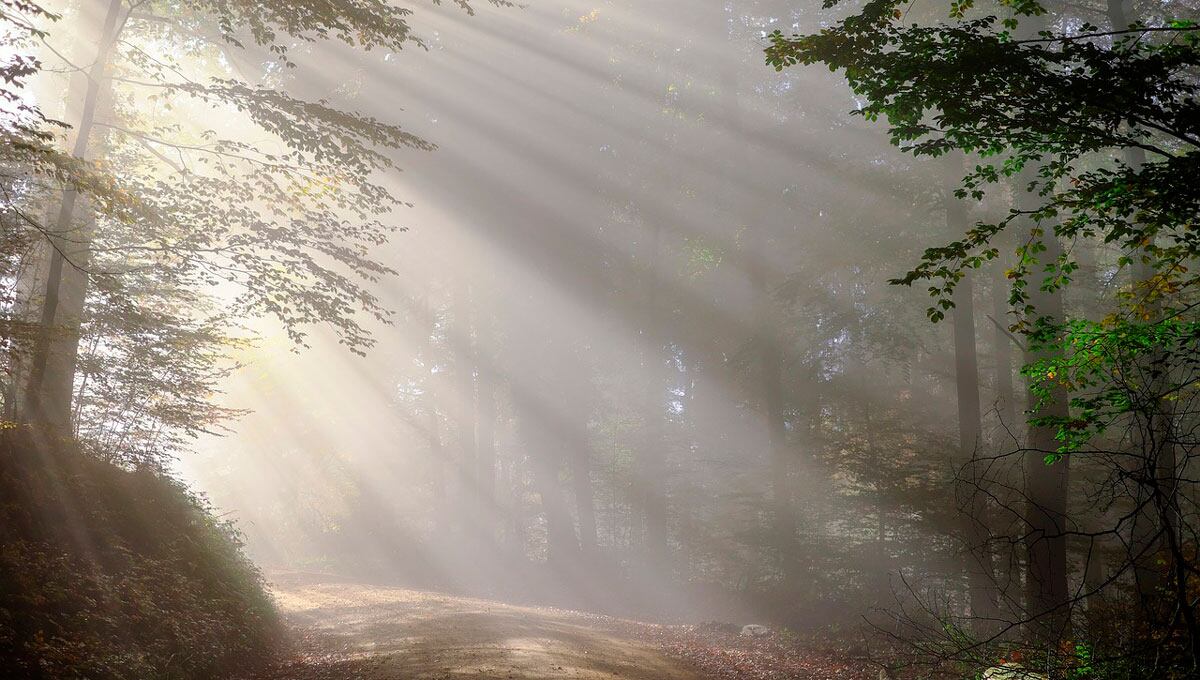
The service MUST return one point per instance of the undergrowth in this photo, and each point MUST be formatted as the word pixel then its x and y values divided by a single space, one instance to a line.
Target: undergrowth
pixel 113 573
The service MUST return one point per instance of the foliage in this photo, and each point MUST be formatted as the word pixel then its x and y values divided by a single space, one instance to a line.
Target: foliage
pixel 1105 367
pixel 1093 137
pixel 209 193
pixel 207 184
pixel 112 573
pixel 1065 114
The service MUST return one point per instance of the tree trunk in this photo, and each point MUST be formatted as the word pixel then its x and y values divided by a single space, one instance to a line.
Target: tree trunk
pixel 1046 485
pixel 485 395
pixel 466 503
pixel 544 458
pixel 651 466
pixel 1155 529
pixel 1002 354
pixel 981 576
pixel 537 365
pixel 438 461
pixel 515 538
pixel 770 366
pixel 585 502
pixel 50 380
pixel 433 435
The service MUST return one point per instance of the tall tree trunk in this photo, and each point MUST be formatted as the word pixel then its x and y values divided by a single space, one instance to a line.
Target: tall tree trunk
pixel 981 577
pixel 545 459
pixel 537 365
pixel 1158 490
pixel 753 258
pixel 879 577
pixel 1094 575
pixel 514 536
pixel 466 502
pixel 651 464
pixel 51 371
pixel 433 433
pixel 1007 435
pixel 770 367
pixel 575 389
pixel 485 396
pixel 585 502
pixel 1046 485
pixel 438 455
pixel 1002 354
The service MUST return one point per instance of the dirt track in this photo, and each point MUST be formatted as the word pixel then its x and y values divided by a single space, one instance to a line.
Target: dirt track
pixel 375 633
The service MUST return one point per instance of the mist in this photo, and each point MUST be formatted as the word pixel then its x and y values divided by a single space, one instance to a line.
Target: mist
pixel 640 339
pixel 570 401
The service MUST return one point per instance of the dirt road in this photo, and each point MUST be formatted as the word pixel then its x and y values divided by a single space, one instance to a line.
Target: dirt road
pixel 376 633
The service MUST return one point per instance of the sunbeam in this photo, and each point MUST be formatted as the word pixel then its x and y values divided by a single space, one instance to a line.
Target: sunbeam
pixel 668 340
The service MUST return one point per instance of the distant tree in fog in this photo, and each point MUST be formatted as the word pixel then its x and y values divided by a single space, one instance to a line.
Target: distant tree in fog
pixel 1088 115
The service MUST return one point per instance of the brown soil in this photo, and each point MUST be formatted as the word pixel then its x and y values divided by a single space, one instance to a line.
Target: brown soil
pixel 354 630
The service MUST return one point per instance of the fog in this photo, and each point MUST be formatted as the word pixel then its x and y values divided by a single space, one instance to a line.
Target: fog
pixel 636 256
pixel 654 339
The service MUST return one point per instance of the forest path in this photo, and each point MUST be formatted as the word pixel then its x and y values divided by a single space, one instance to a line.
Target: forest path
pixel 379 633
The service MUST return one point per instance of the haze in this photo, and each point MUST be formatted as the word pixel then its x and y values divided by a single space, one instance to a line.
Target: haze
pixel 564 339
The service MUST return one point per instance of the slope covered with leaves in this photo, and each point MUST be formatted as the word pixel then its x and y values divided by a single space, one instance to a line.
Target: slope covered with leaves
pixel 114 573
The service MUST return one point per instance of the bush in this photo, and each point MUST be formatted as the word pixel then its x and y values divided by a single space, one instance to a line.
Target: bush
pixel 114 573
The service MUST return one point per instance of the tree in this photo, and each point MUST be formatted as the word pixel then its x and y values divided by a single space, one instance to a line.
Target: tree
pixel 289 223
pixel 1063 110
pixel 980 573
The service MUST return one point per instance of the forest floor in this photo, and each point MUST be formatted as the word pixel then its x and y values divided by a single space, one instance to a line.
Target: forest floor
pixel 358 631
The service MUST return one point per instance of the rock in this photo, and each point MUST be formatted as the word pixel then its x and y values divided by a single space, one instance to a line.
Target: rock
pixel 755 630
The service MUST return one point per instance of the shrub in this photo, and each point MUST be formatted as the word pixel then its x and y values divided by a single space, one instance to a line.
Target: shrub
pixel 116 573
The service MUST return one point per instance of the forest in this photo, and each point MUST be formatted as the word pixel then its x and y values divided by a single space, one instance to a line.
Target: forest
pixel 655 340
